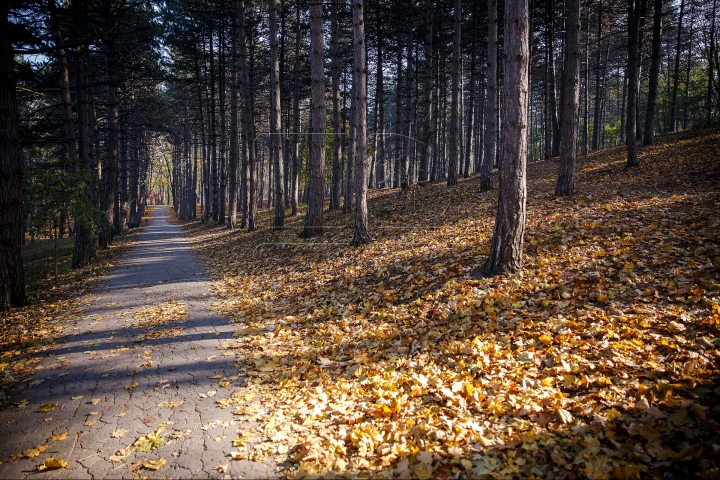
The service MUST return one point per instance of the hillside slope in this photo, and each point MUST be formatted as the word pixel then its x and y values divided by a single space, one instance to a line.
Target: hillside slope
pixel 600 358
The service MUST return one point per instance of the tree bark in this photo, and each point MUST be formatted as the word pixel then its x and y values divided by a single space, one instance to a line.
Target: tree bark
pixel 12 277
pixel 214 174
pixel 554 126
pixel 276 122
pixel 362 234
pixel 408 140
pixel 247 120
pixel 314 217
pixel 469 124
pixel 586 87
pixel 234 134
pixel 222 153
pixel 506 251
pixel 635 9
pixel 335 191
pixel 111 165
pixel 295 180
pixel 650 113
pixel 570 108
pixel 428 124
pixel 398 144
pixel 676 76
pixel 491 113
pixel 349 172
pixel 598 82
pixel 455 102
pixel 711 64
pixel 83 247
pixel 381 167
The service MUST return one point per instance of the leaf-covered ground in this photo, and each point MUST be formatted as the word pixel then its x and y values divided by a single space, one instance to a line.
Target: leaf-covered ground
pixel 599 359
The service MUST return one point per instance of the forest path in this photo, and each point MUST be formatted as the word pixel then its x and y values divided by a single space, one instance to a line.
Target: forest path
pixel 133 349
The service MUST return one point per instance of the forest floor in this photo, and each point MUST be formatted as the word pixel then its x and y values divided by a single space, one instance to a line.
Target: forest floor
pixel 600 358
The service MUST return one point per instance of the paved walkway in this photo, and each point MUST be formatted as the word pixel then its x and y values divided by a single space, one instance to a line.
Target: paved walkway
pixel 122 373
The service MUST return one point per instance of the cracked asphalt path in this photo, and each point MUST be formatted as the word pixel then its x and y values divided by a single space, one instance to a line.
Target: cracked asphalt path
pixel 107 353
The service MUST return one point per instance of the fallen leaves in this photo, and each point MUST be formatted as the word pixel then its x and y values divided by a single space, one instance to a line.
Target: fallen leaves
pixel 146 443
pixel 598 359
pixel 52 464
pixel 154 465
pixel 119 433
pixel 47 407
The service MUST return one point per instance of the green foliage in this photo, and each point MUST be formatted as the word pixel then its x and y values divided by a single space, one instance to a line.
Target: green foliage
pixel 52 191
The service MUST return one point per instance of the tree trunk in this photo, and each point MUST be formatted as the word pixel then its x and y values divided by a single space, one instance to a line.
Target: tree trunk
pixel 676 76
pixel 406 174
pixel 234 134
pixel 455 103
pixel 469 124
pixel 635 9
pixel 654 75
pixel 623 118
pixel 294 182
pixel 397 153
pixel 598 83
pixel 586 87
pixel 65 82
pixel 428 130
pixel 111 166
pixel 506 250
pixel 491 113
pixel 12 277
pixel 568 144
pixel 222 156
pixel 123 176
pixel 362 235
pixel 83 248
pixel 711 64
pixel 335 191
pixel 214 174
pixel 554 143
pixel 348 200
pixel 688 69
pixel 381 168
pixel 247 120
pixel 314 217
pixel 275 122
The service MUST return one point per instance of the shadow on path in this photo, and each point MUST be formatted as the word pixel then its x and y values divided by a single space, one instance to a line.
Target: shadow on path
pixel 147 336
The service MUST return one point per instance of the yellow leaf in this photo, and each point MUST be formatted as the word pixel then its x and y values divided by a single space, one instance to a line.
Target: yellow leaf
pixel 53 463
pixel 48 407
pixel 59 436
pixel 565 416
pixel 546 339
pixel 154 465
pixel 34 452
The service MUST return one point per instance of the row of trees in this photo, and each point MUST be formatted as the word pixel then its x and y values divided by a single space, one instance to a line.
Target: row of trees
pixel 433 89
pixel 250 103
pixel 83 104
